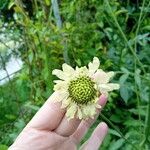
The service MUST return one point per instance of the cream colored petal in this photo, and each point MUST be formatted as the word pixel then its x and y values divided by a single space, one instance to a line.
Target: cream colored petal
pixel 85 110
pixel 65 103
pixel 110 74
pixel 89 111
pixel 93 112
pixel 104 88
pixel 58 96
pixel 81 71
pixel 67 69
pixel 102 77
pixel 70 114
pixel 60 74
pixel 79 113
pixel 96 100
pixel 98 106
pixel 61 85
pixel 93 66
pixel 57 81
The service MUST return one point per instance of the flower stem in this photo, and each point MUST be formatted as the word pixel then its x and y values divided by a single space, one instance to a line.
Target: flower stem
pixel 137 88
pixel 147 126
pixel 59 23
pixel 124 37
pixel 116 128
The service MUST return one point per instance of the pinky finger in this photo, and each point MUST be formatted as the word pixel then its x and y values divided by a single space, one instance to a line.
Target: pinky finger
pixel 96 138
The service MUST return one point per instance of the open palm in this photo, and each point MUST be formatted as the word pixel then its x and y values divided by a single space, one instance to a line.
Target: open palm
pixel 49 129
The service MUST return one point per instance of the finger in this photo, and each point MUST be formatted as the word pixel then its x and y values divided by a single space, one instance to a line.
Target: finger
pixel 49 116
pixel 96 138
pixel 85 124
pixel 67 127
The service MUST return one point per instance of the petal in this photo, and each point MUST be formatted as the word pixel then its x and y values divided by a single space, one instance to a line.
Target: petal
pixel 89 110
pixel 104 88
pixel 67 69
pixel 71 111
pixel 57 81
pixel 110 74
pixel 58 96
pixel 65 103
pixel 98 106
pixel 102 77
pixel 79 113
pixel 61 85
pixel 81 71
pixel 93 66
pixel 60 74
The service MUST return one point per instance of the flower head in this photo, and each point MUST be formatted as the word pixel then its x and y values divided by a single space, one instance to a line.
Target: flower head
pixel 79 89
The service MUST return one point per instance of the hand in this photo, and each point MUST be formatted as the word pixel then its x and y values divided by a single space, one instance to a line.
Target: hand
pixel 49 129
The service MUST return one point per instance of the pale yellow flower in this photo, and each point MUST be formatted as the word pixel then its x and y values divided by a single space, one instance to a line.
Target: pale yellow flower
pixel 79 89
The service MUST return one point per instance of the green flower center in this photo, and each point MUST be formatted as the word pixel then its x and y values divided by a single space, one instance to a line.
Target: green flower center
pixel 82 90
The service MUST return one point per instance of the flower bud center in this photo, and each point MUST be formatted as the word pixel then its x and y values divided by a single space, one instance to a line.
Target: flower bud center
pixel 82 90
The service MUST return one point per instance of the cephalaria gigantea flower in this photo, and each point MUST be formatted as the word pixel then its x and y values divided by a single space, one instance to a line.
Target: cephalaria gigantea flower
pixel 79 89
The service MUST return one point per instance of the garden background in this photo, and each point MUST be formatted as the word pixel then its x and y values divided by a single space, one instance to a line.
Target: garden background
pixel 40 35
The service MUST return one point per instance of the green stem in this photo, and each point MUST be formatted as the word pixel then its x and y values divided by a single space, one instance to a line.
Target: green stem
pixel 141 19
pixel 113 126
pixel 147 125
pixel 147 129
pixel 135 67
pixel 138 27
pixel 124 37
pixel 59 23
pixel 49 70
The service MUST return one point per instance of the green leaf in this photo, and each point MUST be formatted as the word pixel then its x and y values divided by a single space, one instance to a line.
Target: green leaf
pixel 120 12
pixel 47 2
pixel 114 132
pixel 124 92
pixel 137 78
pixel 115 118
pixel 123 78
pixel 3 147
pixel 10 117
pixel 30 106
pixel 117 144
pixel 11 4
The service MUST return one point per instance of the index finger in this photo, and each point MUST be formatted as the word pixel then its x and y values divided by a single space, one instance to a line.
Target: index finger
pixel 49 116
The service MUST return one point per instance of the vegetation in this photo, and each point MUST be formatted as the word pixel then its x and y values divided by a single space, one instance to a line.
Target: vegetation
pixel 50 33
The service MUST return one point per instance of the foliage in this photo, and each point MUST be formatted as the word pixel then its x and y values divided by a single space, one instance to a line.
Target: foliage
pixel 115 31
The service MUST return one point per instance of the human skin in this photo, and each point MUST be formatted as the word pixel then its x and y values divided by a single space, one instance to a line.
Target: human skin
pixel 49 129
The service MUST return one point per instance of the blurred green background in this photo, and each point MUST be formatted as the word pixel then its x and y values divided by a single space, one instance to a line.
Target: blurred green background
pixel 38 36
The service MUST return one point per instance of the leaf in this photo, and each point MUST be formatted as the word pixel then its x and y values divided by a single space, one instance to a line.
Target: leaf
pixel 117 145
pixel 133 123
pixel 47 2
pixel 11 4
pixel 125 70
pixel 123 78
pixel 1 100
pixel 20 124
pixel 115 119
pixel 32 107
pixel 137 78
pixel 121 11
pixel 3 147
pixel 68 25
pixel 124 92
pixel 10 117
pixel 147 27
pixel 78 61
pixel 114 132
